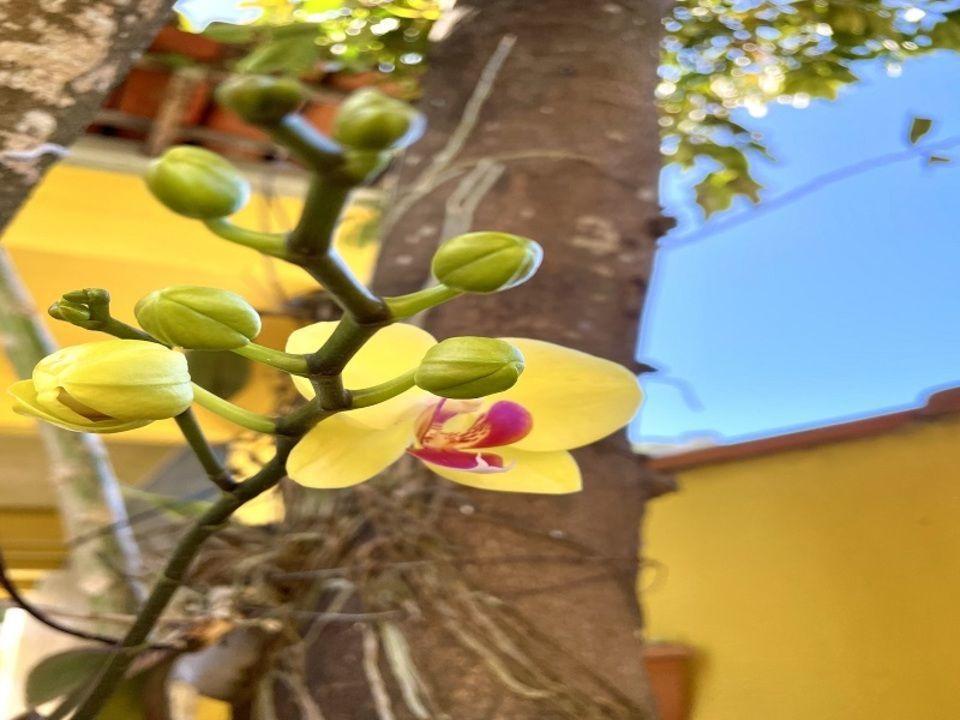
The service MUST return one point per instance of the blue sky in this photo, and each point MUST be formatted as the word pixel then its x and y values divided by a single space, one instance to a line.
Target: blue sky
pixel 841 305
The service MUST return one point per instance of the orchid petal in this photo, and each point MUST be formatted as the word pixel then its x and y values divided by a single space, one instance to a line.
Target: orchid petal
pixel 25 403
pixel 575 398
pixel 340 452
pixel 545 473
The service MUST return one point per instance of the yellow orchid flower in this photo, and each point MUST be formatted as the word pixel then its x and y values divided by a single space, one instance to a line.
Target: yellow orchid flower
pixel 515 441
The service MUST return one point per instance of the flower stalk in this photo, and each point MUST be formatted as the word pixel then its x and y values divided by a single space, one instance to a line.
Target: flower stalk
pixel 235 414
pixel 376 394
pixel 369 130
pixel 288 362
pixel 272 244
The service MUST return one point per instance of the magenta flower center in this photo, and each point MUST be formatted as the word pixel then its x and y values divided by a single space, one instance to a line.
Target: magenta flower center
pixel 455 433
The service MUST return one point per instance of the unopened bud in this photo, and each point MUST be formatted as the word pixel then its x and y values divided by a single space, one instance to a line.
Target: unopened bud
pixel 106 386
pixel 198 318
pixel 370 120
pixel 261 99
pixel 485 262
pixel 197 183
pixel 469 367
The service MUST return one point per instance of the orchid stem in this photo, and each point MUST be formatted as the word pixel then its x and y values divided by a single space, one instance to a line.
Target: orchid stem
pixel 216 472
pixel 233 413
pixel 366 397
pixel 405 306
pixel 268 243
pixel 173 575
pixel 310 246
pixel 288 362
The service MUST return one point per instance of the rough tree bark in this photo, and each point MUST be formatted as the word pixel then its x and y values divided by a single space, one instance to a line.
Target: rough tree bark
pixel 58 60
pixel 571 119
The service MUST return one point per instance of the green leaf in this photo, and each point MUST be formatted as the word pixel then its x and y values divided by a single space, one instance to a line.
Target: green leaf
pixel 946 34
pixel 718 190
pixel 937 160
pixel 292 55
pixel 230 34
pixel 919 127
pixel 61 673
pixel 312 7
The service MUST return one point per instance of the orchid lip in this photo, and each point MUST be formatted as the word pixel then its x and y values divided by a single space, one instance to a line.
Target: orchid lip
pixel 438 443
pixel 475 462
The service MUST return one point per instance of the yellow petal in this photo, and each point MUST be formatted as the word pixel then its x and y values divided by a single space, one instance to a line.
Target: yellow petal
pixel 391 352
pixel 265 509
pixel 339 452
pixel 575 398
pixel 545 473
pixel 25 403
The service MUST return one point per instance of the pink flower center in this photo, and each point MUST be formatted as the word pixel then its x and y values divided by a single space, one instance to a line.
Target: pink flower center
pixel 451 433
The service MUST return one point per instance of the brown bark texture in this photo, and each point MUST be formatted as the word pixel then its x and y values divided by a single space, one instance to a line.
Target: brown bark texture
pixel 564 150
pixel 58 60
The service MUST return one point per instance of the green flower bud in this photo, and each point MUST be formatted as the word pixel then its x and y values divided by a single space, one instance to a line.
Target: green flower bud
pixel 364 165
pixel 106 386
pixel 485 262
pixel 261 99
pixel 469 367
pixel 370 120
pixel 198 318
pixel 197 183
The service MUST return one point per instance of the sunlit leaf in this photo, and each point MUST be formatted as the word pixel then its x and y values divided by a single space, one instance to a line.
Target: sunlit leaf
pixel 720 57
pixel 919 127
pixel 292 55
pixel 718 190
pixel 230 34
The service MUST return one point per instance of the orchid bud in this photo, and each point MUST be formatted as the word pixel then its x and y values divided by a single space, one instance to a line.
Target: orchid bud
pixel 370 120
pixel 106 386
pixel 198 318
pixel 197 183
pixel 261 99
pixel 485 262
pixel 469 367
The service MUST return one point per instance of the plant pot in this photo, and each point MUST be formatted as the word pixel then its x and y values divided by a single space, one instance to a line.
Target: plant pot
pixel 229 123
pixel 321 116
pixel 143 92
pixel 191 45
pixel 669 672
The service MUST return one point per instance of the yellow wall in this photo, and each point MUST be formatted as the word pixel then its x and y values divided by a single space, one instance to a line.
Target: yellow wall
pixel 818 584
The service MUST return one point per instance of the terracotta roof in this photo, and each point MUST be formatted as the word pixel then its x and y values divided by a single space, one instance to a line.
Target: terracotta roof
pixel 944 402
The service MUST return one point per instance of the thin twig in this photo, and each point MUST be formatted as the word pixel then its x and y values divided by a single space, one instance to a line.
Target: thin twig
pixel 468 121
pixel 464 200
pixel 371 667
pixel 40 616
pixel 478 560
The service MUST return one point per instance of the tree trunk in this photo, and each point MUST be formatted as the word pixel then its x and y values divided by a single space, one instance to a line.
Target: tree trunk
pixel 567 146
pixel 58 60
